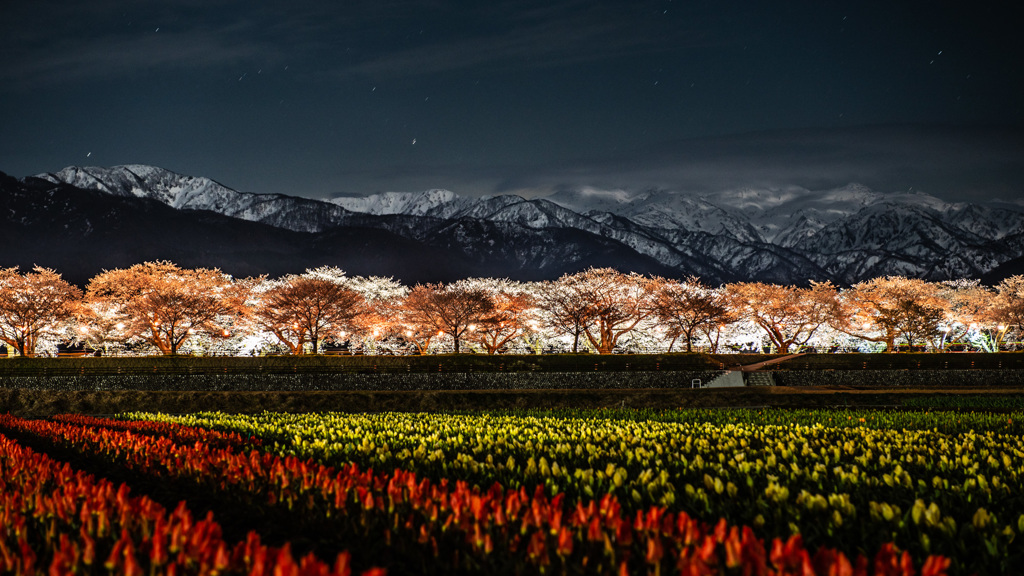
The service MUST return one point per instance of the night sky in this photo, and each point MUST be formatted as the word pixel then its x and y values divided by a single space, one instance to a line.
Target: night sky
pixel 349 97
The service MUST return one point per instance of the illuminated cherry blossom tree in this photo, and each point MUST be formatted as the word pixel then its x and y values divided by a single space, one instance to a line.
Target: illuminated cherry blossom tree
pixel 686 308
pixel 564 308
pixel 304 309
pixel 446 309
pixel 788 315
pixel 967 307
pixel 1001 311
pixel 509 317
pixel 1008 304
pixel 890 308
pixel 381 323
pixel 99 324
pixel 165 305
pixel 600 303
pixel 34 305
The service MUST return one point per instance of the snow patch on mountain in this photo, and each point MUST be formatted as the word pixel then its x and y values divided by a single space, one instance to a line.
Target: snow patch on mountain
pixel 586 199
pixel 437 203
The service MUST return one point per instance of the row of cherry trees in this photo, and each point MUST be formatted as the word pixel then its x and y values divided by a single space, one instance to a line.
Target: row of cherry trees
pixel 160 306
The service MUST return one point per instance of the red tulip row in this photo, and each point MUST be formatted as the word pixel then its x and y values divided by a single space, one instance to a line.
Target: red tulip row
pixel 176 432
pixel 59 521
pixel 456 527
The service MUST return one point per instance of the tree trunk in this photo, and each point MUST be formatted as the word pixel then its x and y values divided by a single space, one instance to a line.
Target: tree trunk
pixel 456 345
pixel 607 343
pixel 689 340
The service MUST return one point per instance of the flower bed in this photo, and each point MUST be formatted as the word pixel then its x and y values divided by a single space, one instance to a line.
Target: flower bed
pixel 56 520
pixel 930 482
pixel 413 523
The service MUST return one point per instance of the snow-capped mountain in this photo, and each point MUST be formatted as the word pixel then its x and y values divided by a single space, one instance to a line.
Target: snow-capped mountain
pixel 197 193
pixel 788 235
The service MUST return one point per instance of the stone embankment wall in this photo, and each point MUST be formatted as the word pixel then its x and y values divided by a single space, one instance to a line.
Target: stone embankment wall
pixel 369 382
pixel 505 380
pixel 899 378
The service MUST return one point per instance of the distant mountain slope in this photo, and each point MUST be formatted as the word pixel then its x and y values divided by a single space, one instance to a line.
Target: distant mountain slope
pixel 789 235
pixel 80 232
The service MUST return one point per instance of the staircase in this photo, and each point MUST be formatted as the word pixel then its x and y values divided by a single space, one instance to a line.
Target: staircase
pixel 727 379
pixel 759 379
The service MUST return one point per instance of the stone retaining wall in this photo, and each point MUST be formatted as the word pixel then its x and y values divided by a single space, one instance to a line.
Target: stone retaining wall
pixel 368 382
pixel 899 378
pixel 507 380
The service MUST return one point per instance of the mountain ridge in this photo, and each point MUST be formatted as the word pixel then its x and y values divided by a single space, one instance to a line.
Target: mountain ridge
pixel 789 235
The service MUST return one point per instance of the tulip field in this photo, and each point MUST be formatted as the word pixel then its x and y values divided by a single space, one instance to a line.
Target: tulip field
pixel 835 492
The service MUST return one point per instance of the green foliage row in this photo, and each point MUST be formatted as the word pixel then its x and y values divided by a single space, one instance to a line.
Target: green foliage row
pixel 962 402
pixel 932 483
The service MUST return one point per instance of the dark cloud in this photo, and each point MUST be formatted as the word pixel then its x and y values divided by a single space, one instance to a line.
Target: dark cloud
pixel 67 62
pixel 952 163
pixel 372 39
pixel 545 34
